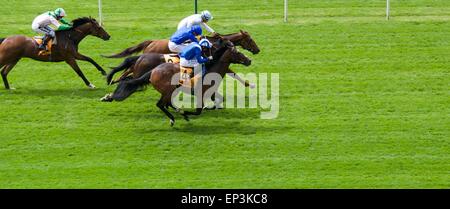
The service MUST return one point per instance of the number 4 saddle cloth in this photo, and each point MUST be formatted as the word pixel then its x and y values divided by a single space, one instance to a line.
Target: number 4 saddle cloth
pixel 187 78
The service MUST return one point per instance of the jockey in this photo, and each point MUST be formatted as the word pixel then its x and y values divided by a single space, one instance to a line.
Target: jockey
pixel 197 19
pixel 193 55
pixel 176 43
pixel 41 25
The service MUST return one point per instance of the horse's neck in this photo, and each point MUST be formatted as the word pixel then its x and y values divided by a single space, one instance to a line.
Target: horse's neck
pixel 219 68
pixel 76 34
pixel 233 37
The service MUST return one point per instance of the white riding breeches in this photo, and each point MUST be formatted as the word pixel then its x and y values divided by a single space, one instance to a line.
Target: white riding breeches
pixel 43 30
pixel 176 48
pixel 191 63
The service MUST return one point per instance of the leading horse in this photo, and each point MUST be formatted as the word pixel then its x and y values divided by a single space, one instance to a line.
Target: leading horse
pixel 241 38
pixel 13 48
pixel 161 79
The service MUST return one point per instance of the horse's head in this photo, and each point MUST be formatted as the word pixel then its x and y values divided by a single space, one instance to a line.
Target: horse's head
pixel 91 27
pixel 248 43
pixel 98 31
pixel 232 55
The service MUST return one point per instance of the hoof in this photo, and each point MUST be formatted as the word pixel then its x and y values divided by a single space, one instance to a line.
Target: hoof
pixel 107 98
pixel 103 73
pixel 172 122
pixel 252 85
pixel 92 86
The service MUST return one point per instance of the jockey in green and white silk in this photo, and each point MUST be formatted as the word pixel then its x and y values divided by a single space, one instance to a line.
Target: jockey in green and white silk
pixel 41 24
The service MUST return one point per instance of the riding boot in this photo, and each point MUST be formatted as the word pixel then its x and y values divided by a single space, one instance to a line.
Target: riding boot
pixel 45 40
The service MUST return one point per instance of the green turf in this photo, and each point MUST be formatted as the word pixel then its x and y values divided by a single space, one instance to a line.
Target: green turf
pixel 364 102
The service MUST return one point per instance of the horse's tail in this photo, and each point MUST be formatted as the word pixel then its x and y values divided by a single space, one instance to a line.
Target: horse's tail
pixel 126 64
pixel 1 40
pixel 128 87
pixel 131 50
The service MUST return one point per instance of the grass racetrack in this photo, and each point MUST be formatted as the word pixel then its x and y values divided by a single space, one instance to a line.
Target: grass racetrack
pixel 364 102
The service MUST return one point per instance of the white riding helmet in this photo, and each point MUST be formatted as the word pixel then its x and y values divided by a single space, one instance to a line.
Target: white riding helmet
pixel 205 43
pixel 207 15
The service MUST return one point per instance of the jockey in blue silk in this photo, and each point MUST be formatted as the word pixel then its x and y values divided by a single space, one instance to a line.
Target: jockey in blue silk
pixel 192 56
pixel 178 39
pixel 41 24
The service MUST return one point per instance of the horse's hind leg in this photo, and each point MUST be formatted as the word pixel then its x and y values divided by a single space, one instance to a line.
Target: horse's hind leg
pixel 161 104
pixel 5 72
pixel 198 111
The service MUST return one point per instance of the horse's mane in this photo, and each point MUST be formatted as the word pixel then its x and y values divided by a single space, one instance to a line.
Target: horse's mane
pixel 81 21
pixel 230 34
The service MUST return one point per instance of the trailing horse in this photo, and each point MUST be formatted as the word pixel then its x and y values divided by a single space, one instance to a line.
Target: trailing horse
pixel 13 48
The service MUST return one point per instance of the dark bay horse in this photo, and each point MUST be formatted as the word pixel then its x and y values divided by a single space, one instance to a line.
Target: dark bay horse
pixel 161 79
pixel 241 38
pixel 13 48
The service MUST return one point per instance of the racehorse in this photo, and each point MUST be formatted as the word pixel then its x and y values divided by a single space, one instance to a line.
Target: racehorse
pixel 13 48
pixel 147 62
pixel 241 38
pixel 162 75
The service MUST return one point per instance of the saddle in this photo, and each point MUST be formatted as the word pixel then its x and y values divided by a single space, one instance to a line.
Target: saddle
pixel 172 58
pixel 39 41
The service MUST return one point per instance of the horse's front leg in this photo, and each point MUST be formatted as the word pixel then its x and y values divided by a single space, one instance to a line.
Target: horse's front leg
pixel 198 111
pixel 237 77
pixel 217 98
pixel 79 56
pixel 76 68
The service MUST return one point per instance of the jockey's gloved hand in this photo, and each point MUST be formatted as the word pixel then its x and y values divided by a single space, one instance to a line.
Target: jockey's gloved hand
pixel 210 57
pixel 64 27
pixel 62 20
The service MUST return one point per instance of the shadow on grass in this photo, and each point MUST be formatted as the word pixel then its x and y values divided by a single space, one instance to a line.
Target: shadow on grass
pixel 235 121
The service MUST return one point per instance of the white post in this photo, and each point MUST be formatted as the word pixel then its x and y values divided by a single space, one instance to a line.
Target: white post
pixel 100 17
pixel 387 9
pixel 285 10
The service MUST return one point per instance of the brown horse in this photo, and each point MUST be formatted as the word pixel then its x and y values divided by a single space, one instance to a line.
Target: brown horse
pixel 161 79
pixel 146 62
pixel 241 38
pixel 13 48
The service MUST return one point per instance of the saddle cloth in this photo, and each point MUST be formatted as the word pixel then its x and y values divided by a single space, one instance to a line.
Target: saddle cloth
pixel 187 78
pixel 172 58
pixel 49 45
